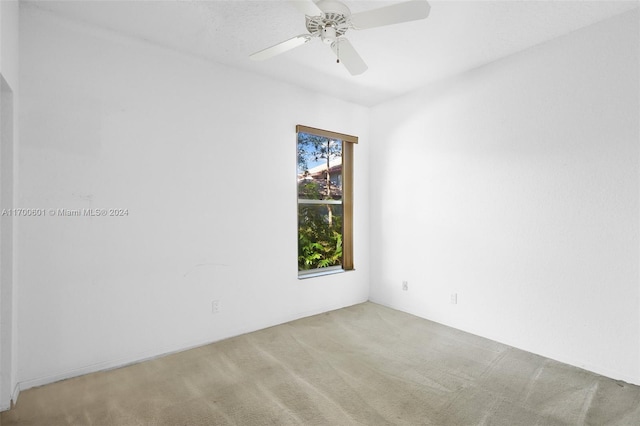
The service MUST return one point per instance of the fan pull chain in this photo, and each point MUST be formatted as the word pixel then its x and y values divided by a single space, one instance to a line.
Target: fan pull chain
pixel 338 51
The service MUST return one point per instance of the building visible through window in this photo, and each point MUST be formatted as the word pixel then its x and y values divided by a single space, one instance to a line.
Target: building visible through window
pixel 324 201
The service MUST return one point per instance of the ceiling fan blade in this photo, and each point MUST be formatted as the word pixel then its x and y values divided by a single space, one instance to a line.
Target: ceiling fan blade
pixel 348 56
pixel 279 48
pixel 402 12
pixel 308 7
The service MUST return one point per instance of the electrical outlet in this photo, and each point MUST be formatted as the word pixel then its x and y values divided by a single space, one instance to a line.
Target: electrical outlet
pixel 454 298
pixel 215 306
pixel 405 285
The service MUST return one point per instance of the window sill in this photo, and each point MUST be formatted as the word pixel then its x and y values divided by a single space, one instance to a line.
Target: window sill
pixel 320 273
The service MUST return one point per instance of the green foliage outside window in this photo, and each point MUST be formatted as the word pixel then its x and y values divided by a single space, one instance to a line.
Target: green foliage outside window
pixel 319 243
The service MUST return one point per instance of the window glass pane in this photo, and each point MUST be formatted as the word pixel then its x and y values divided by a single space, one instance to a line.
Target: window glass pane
pixel 319 235
pixel 319 167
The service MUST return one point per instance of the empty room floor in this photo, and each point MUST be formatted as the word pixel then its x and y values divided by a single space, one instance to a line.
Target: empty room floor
pixel 365 364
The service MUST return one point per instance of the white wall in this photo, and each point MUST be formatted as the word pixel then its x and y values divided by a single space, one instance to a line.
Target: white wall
pixel 203 157
pixel 516 186
pixel 8 143
pixel 9 41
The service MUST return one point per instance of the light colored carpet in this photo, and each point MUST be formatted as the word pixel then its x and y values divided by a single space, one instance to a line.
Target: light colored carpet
pixel 365 364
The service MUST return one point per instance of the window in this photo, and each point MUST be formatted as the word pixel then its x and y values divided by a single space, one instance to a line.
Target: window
pixel 325 201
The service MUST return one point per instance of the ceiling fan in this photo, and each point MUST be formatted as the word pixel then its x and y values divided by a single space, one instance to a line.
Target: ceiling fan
pixel 330 20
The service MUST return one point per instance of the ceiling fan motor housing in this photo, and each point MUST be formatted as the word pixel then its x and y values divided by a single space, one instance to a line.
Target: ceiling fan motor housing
pixel 333 23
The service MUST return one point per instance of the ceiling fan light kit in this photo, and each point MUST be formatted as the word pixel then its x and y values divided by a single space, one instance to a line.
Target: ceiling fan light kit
pixel 328 35
pixel 329 20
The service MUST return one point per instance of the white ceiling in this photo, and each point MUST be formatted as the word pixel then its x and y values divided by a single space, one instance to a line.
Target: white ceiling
pixel 457 36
